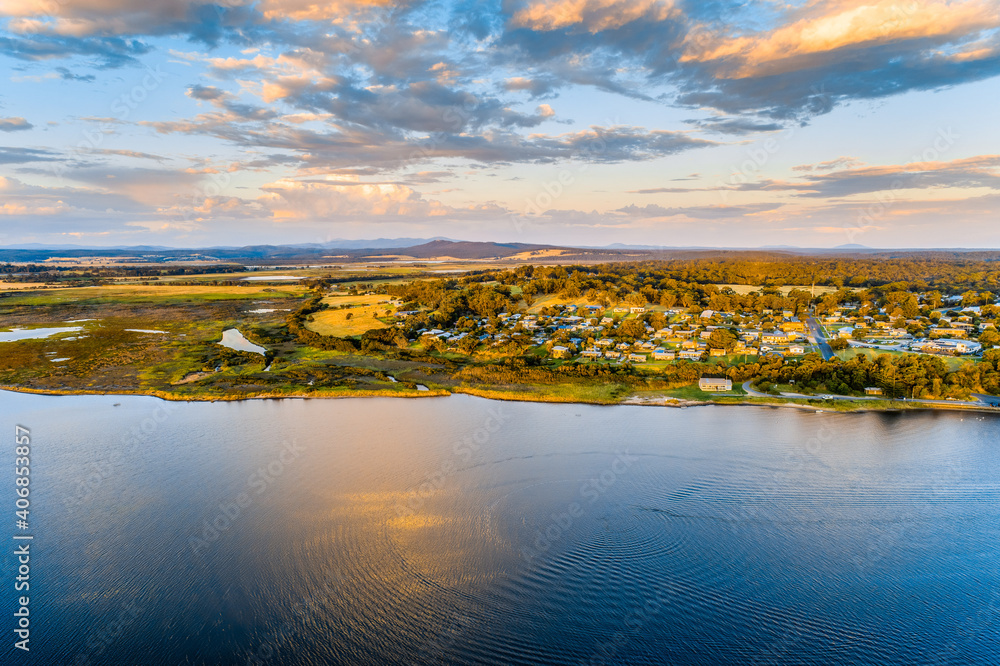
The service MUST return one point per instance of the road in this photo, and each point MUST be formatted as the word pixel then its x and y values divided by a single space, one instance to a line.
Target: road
pixel 817 331
pixel 983 400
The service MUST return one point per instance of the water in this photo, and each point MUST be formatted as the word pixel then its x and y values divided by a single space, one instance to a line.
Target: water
pixel 35 333
pixel 465 531
pixel 266 278
pixel 233 339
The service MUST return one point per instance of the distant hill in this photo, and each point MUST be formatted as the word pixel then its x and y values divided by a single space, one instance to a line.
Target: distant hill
pixel 465 249
pixel 337 251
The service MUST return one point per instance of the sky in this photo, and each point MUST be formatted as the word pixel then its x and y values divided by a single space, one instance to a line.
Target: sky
pixel 570 122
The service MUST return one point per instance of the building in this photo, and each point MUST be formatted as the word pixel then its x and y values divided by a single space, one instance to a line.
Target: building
pixel 796 349
pixel 560 352
pixel 873 390
pixel 637 358
pixel 716 352
pixel 793 325
pixel 946 345
pixel 715 384
pixel 663 355
pixel 957 332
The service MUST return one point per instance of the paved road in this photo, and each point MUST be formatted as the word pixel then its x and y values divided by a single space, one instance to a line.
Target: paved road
pixel 817 331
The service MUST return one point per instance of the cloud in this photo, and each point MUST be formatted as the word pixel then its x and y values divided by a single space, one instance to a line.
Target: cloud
pixel 736 126
pixel 386 149
pixel 24 199
pixel 10 155
pixel 537 87
pixel 843 177
pixel 67 75
pixel 346 197
pixel 829 165
pixel 697 212
pixel 973 172
pixel 588 15
pixel 14 124
pixel 834 50
pixel 110 51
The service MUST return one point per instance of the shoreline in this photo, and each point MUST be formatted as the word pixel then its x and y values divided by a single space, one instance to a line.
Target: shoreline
pixel 637 401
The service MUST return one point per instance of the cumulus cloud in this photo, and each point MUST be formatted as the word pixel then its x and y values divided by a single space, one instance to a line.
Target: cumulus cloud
pixel 14 124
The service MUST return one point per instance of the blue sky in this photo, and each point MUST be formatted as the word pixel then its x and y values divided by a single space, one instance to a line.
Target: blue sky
pixel 586 122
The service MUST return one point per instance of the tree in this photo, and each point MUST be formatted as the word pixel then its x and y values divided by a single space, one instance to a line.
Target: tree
pixel 989 338
pixel 632 328
pixel 668 299
pixel 722 338
pixel 839 344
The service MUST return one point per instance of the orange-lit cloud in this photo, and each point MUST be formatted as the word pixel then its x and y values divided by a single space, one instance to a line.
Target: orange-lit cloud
pixel 834 25
pixel 592 15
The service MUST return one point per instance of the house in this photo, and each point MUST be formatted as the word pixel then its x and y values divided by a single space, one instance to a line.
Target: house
pixel 591 353
pixel 707 314
pixel 941 331
pixel 873 390
pixel 637 309
pixel 637 358
pixel 612 354
pixel 793 325
pixel 774 338
pixel 715 384
pixel 605 342
pixel 796 349
pixel 663 355
pixel 560 352
pixel 690 354
pixel 716 352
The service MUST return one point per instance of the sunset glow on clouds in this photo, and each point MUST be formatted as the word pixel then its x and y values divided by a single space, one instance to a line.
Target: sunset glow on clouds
pixel 585 122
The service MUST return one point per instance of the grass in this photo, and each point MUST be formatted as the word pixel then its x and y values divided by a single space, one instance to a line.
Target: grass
pixel 350 315
pixel 604 394
pixel 692 392
pixel 18 286
pixel 952 362
pixel 160 294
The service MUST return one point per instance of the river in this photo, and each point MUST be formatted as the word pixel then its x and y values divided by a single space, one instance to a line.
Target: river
pixel 460 530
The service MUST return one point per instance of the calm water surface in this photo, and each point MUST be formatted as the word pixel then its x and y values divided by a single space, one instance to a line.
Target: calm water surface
pixel 464 531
